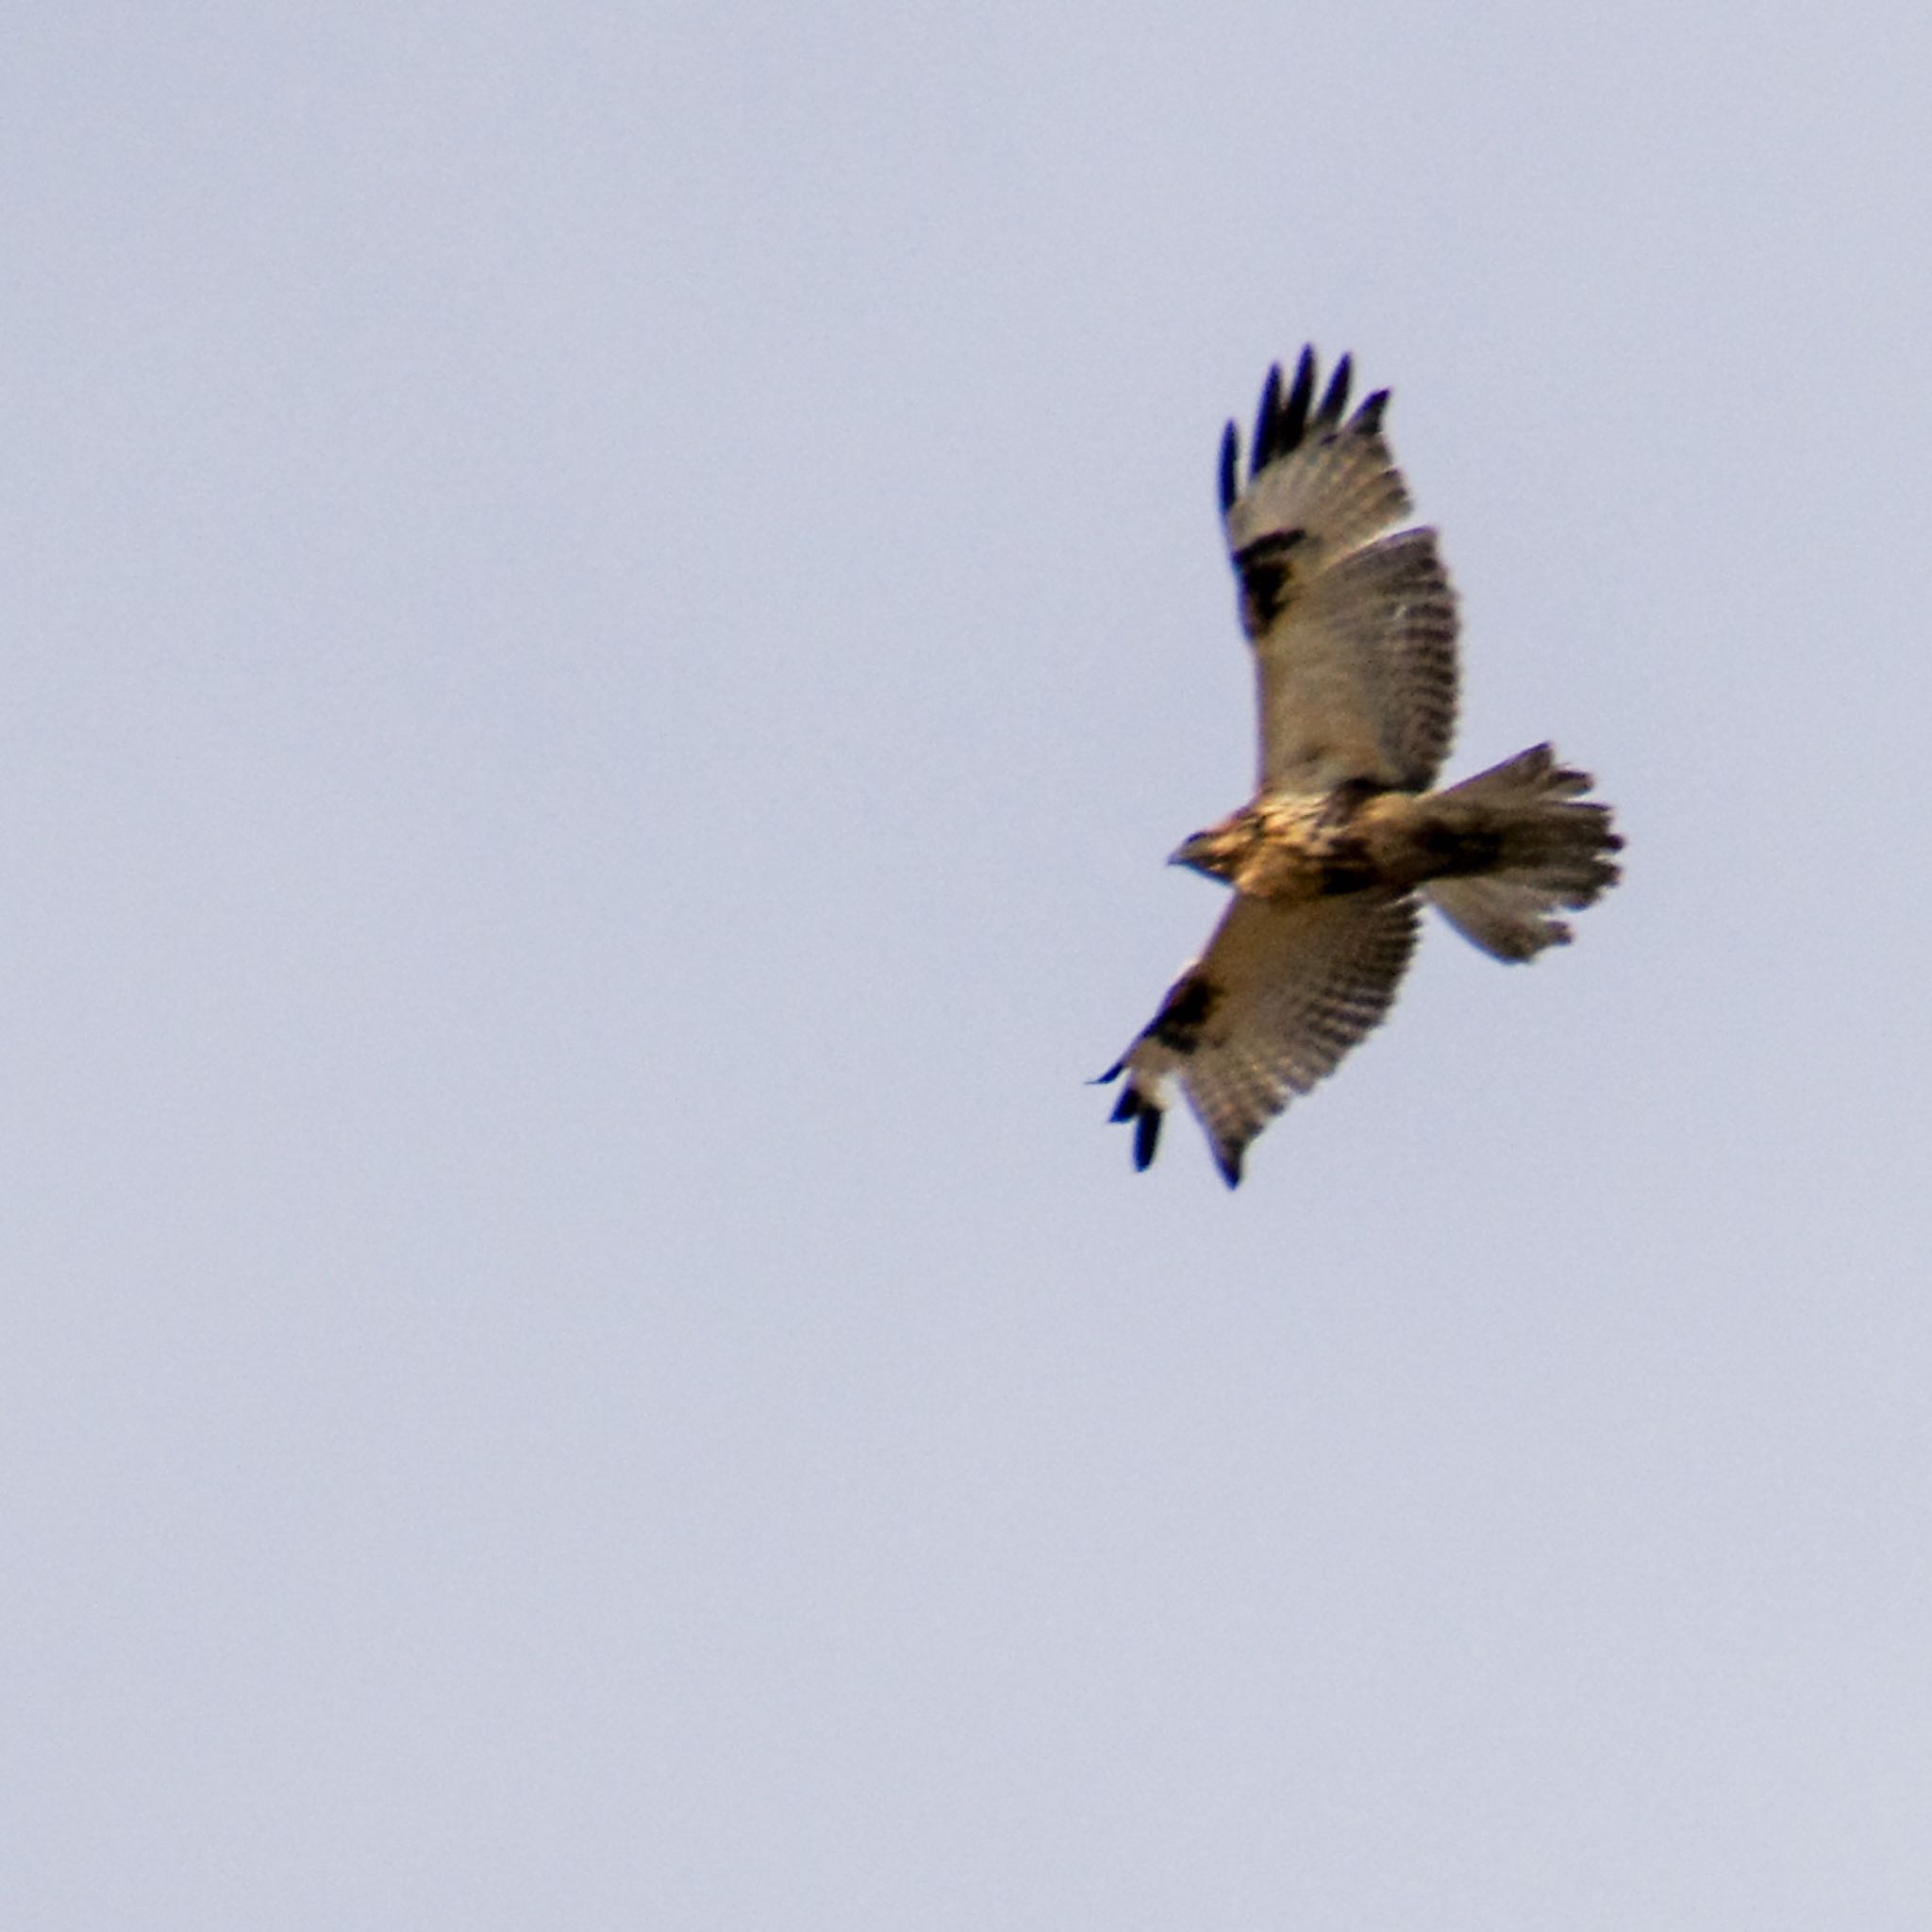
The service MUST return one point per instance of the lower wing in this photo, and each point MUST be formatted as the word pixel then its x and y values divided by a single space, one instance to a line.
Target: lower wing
pixel 1279 996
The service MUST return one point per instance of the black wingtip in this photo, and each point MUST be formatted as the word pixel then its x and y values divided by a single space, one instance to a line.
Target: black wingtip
pixel 1283 421
pixel 1227 1157
pixel 1146 1138
pixel 1112 1073
pixel 1294 412
pixel 1230 467
pixel 1335 397
pixel 1267 420
pixel 1134 1105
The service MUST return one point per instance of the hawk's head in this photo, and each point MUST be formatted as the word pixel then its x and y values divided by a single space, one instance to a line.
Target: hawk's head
pixel 1219 849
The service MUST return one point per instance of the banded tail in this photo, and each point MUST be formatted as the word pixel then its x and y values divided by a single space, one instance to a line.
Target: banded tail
pixel 1552 852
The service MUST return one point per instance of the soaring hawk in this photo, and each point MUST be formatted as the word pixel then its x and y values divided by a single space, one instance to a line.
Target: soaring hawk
pixel 1353 636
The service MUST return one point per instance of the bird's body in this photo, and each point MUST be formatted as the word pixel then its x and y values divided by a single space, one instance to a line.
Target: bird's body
pixel 1354 634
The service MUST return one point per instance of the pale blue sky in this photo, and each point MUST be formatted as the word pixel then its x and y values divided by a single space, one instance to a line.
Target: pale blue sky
pixel 613 610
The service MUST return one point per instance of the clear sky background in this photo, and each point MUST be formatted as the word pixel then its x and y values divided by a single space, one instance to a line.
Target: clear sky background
pixel 610 612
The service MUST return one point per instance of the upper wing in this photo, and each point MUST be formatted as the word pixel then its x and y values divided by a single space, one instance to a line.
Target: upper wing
pixel 1354 631
pixel 1279 996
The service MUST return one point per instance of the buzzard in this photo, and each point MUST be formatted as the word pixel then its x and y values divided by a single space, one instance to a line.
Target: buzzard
pixel 1353 627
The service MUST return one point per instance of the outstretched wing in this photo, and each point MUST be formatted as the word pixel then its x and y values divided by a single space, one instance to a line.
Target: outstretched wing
pixel 1279 996
pixel 1354 630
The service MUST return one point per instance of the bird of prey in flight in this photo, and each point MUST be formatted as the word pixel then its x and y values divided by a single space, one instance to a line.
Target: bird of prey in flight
pixel 1352 627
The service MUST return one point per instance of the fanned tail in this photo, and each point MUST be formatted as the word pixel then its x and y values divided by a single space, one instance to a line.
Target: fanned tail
pixel 1552 851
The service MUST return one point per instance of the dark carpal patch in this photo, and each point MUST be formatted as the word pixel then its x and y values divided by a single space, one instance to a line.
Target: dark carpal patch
pixel 1265 571
pixel 1183 1014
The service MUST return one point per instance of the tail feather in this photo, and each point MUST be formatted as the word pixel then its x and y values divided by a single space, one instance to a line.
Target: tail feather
pixel 1552 850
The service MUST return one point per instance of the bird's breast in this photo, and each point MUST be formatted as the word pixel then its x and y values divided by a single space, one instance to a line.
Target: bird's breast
pixel 1303 849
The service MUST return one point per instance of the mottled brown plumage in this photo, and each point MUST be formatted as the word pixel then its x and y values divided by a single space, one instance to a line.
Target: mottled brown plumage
pixel 1354 635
